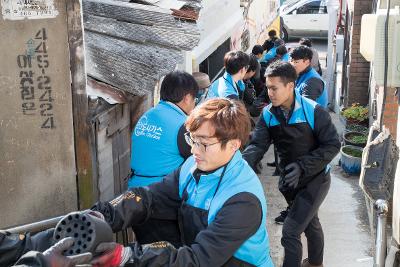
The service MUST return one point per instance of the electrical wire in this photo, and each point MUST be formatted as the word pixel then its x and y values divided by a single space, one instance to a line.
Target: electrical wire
pixel 386 65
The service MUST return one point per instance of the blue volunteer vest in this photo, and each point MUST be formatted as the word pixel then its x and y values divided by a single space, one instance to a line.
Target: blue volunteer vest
pixel 155 152
pixel 285 57
pixel 300 84
pixel 269 55
pixel 225 86
pixel 299 127
pixel 238 177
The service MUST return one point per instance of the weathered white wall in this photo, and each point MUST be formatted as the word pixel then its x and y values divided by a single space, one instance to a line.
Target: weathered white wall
pixel 261 14
pixel 217 21
pixel 37 162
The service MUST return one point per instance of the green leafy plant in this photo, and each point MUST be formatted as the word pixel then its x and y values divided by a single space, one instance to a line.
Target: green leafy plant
pixel 355 113
pixel 358 139
pixel 352 152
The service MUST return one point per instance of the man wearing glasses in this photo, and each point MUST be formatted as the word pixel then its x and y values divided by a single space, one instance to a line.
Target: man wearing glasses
pixel 231 84
pixel 215 198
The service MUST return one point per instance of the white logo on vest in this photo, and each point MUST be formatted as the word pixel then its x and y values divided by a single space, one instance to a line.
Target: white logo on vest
pixel 148 130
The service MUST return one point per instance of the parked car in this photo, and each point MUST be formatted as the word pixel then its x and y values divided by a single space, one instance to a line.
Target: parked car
pixel 306 18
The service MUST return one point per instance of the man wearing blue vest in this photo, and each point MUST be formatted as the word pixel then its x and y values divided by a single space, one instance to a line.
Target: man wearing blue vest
pixel 306 141
pixel 271 54
pixel 230 85
pixel 309 83
pixel 215 197
pixel 282 53
pixel 158 142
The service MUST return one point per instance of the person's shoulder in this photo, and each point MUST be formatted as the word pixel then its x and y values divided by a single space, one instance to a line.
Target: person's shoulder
pixel 308 103
pixel 267 110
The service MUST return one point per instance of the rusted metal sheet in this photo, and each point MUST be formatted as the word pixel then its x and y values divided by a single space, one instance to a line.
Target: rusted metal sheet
pixel 37 166
pixel 107 92
pixel 185 13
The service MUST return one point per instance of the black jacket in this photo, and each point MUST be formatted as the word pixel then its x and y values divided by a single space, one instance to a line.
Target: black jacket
pixel 212 246
pixel 14 246
pixel 307 137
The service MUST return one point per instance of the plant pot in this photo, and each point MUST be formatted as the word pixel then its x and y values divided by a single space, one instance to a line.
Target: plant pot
pixel 356 128
pixel 364 123
pixel 348 139
pixel 350 164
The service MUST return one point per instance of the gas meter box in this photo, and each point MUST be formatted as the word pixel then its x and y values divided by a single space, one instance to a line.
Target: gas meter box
pixel 37 166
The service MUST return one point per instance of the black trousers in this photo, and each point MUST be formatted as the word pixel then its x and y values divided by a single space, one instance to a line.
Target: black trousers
pixel 303 218
pixel 154 230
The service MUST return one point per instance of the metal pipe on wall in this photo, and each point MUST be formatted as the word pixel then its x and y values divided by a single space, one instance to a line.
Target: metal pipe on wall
pixel 381 208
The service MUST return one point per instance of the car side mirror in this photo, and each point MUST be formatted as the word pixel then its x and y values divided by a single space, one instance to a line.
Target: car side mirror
pixel 294 12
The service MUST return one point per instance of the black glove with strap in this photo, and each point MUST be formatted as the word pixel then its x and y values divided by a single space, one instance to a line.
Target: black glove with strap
pixel 292 172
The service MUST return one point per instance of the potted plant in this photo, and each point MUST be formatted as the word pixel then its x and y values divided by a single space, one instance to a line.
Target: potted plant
pixel 350 159
pixel 356 114
pixel 355 139
pixel 356 128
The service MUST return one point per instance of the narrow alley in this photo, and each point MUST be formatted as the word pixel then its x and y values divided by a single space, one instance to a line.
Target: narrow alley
pixel 343 215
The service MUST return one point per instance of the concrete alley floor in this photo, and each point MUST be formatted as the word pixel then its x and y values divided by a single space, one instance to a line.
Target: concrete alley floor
pixel 343 216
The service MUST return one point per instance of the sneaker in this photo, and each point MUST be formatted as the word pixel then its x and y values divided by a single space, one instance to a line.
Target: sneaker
pixel 281 218
pixel 307 264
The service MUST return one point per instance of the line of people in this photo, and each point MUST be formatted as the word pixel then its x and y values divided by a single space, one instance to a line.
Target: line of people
pixel 199 201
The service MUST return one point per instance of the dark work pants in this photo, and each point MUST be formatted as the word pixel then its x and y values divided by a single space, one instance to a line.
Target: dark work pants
pixel 303 217
pixel 154 230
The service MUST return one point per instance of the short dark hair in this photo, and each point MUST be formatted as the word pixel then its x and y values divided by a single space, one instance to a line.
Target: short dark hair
pixel 234 61
pixel 301 52
pixel 284 70
pixel 305 41
pixel 281 50
pixel 272 33
pixel 176 85
pixel 278 42
pixel 253 63
pixel 257 49
pixel 229 118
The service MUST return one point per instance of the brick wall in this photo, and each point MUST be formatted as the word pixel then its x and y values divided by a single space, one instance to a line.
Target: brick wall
pixel 390 114
pixel 359 67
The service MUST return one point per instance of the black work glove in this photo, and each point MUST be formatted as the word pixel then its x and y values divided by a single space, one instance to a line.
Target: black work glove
pixel 293 172
pixel 54 255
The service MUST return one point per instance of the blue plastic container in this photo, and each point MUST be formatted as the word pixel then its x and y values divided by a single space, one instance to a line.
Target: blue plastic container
pixel 351 165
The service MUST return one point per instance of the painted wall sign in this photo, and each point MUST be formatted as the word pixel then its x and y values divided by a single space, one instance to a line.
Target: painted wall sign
pixel 28 9
pixel 34 81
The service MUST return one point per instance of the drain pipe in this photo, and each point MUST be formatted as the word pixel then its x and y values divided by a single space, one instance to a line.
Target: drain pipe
pixel 381 208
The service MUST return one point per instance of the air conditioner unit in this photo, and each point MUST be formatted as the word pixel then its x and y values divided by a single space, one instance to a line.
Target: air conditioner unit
pixel 372 45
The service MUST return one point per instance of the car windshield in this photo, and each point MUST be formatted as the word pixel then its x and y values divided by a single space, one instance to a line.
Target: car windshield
pixel 288 3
